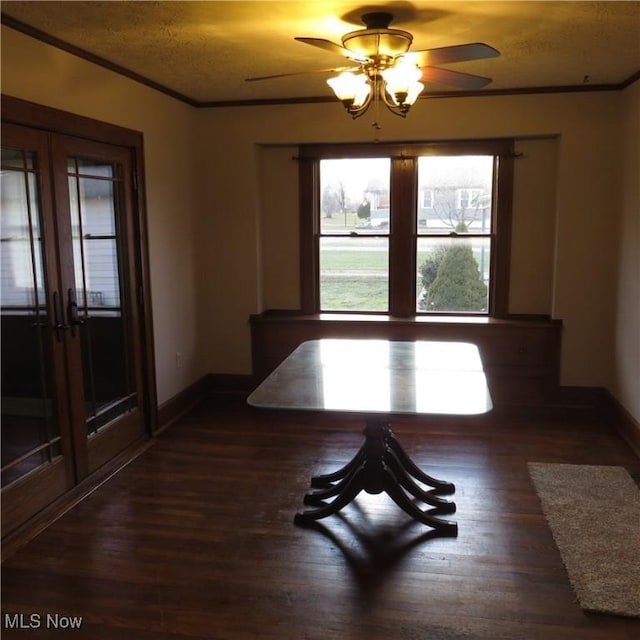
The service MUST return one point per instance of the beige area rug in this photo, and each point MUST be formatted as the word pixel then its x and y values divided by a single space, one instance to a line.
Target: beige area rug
pixel 594 515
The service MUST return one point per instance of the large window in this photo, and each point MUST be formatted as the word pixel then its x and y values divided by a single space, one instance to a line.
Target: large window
pixel 406 229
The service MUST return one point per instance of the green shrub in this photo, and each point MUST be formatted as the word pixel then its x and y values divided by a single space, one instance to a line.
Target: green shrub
pixel 457 285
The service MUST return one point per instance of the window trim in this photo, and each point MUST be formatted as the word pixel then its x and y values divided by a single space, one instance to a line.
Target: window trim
pixel 404 184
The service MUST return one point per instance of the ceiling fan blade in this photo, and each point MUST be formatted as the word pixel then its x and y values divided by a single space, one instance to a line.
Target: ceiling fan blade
pixel 327 45
pixel 454 78
pixel 300 73
pixel 455 53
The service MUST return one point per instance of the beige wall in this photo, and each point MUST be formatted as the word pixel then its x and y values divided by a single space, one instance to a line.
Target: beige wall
pixel 222 207
pixel 573 165
pixel 626 309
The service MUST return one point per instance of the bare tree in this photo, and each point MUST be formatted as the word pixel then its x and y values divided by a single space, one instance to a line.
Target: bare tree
pixel 459 219
pixel 335 199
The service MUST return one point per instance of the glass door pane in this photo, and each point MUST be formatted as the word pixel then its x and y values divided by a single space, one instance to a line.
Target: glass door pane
pixel 30 427
pixel 73 395
pixel 95 305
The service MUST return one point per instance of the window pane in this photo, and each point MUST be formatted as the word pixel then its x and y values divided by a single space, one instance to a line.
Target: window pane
pixel 21 256
pixel 454 194
pixel 30 430
pixel 94 245
pixel 354 274
pixel 17 158
pixel 80 166
pixel 354 195
pixel 453 275
pixel 98 244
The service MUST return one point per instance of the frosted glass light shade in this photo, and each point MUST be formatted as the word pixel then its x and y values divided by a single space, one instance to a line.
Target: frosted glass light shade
pixel 350 87
pixel 403 79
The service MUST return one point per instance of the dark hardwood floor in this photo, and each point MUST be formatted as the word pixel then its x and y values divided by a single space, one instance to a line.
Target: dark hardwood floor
pixel 194 539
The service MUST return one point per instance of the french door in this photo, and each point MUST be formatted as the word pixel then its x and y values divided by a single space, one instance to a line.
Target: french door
pixel 73 388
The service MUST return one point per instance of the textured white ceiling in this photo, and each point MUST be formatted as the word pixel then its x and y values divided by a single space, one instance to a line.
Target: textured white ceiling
pixel 205 50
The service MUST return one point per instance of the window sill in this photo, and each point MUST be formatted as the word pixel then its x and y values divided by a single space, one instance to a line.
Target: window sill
pixel 521 354
pixel 294 316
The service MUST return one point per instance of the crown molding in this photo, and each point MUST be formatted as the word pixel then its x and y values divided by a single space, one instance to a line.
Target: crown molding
pixel 37 34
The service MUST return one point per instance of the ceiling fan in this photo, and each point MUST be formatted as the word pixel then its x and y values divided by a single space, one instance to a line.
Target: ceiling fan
pixel 383 69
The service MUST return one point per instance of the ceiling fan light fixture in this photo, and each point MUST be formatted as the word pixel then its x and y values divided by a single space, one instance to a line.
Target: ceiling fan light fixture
pixel 402 83
pixel 397 87
pixel 414 91
pixel 387 72
pixel 362 95
pixel 349 86
pixel 401 76
pixel 353 90
pixel 404 99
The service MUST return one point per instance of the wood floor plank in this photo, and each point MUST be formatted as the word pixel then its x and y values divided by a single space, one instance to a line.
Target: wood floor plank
pixel 195 539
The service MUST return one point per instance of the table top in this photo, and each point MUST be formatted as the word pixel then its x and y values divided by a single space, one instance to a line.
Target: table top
pixel 378 376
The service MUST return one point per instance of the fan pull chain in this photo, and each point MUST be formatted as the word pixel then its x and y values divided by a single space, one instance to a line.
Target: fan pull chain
pixel 376 104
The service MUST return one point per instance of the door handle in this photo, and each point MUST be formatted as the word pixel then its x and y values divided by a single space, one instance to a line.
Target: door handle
pixel 59 325
pixel 72 311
